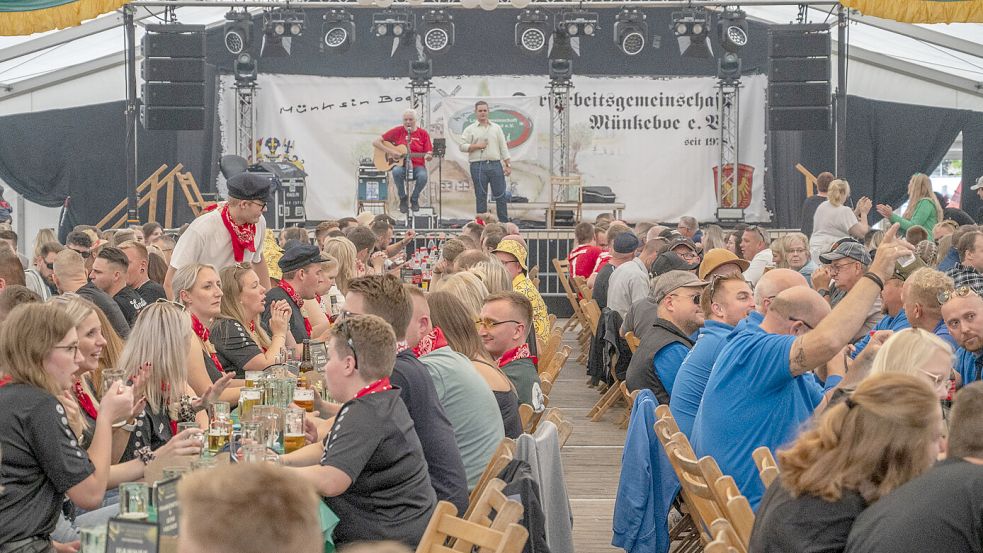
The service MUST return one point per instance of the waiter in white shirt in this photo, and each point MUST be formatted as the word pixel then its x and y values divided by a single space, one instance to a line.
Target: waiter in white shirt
pixel 488 152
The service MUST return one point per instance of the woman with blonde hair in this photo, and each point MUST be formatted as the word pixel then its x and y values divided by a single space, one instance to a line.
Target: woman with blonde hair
pixel 713 237
pixel 919 353
pixel 43 237
pixel 467 287
pixel 857 451
pixel 453 316
pixel 795 246
pixel 343 251
pixel 835 221
pixel 198 288
pixel 493 275
pixel 923 208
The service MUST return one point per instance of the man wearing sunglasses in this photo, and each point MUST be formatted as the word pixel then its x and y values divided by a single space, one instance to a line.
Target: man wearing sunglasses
pixel 504 327
pixel 962 309
pixel 761 388
pixel 43 269
pixel 676 295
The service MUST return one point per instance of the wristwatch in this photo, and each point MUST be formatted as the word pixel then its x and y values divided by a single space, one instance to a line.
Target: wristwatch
pixel 823 292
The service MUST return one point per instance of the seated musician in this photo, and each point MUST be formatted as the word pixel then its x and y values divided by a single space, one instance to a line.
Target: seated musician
pixel 419 143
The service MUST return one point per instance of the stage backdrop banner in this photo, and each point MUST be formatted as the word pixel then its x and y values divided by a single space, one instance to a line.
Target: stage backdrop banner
pixel 655 142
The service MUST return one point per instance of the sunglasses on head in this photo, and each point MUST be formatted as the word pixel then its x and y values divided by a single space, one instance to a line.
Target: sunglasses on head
pixel 959 292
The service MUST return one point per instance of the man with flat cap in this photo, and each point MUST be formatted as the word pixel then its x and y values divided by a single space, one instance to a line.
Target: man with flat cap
pixel 630 281
pixel 230 234
pixel 302 275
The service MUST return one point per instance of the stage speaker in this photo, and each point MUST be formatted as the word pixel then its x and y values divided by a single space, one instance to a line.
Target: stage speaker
pixel 173 71
pixel 799 90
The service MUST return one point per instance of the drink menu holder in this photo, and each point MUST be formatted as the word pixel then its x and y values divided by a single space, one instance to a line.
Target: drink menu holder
pixel 132 536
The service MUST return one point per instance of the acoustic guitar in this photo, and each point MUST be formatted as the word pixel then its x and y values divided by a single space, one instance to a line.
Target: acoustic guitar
pixel 385 161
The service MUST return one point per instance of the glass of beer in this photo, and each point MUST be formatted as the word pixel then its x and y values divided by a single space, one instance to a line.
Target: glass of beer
pixel 134 500
pixel 221 410
pixel 198 436
pixel 248 399
pixel 293 432
pixel 304 398
pixel 218 435
pixel 252 377
pixel 171 472
pixel 111 376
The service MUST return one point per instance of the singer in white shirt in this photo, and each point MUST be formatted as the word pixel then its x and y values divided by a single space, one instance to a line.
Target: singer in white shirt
pixel 488 152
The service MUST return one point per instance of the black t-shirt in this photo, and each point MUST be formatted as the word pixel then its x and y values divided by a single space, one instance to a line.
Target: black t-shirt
pixel 41 461
pixel 109 307
pixel 234 345
pixel 508 404
pixel 130 303
pixel 804 524
pixel 373 441
pixel 297 327
pixel 151 292
pixel 809 213
pixel 941 510
pixel 433 428
pixel 153 428
pixel 600 292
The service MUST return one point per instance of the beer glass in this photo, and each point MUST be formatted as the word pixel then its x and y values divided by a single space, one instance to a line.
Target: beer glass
pixel 198 436
pixel 248 399
pixel 171 472
pixel 293 433
pixel 93 539
pixel 271 418
pixel 252 377
pixel 111 376
pixel 218 435
pixel 304 398
pixel 281 392
pixel 203 463
pixel 254 453
pixel 134 500
pixel 220 410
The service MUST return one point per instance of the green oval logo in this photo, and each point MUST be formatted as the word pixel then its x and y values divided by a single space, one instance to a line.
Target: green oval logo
pixel 516 125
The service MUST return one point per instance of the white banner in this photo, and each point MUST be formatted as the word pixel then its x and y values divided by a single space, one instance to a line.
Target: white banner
pixel 654 142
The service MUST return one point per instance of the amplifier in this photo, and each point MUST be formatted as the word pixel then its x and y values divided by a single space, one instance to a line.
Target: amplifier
pixel 373 184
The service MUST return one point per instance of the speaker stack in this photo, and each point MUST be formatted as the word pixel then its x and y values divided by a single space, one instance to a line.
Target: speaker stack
pixel 799 96
pixel 173 72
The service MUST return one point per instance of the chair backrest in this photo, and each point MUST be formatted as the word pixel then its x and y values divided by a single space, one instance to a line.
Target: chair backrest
pixel 562 267
pixel 724 540
pixel 552 370
pixel 736 507
pixel 593 313
pixel 444 525
pixel 633 341
pixel 550 347
pixel 502 456
pixel 545 383
pixel 533 275
pixel 663 413
pixel 767 467
pixel 581 287
pixel 699 494
pixel 563 426
pixel 493 500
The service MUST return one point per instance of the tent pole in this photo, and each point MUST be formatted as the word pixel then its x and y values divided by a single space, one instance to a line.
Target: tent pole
pixel 132 213
pixel 842 52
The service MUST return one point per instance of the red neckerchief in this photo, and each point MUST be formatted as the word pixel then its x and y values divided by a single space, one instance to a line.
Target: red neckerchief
pixel 203 333
pixel 401 347
pixel 480 221
pixel 5 380
pixel 433 341
pixel 380 385
pixel 521 352
pixel 298 301
pixel 243 236
pixel 85 402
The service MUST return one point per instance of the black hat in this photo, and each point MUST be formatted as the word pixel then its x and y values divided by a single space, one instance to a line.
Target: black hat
pixel 298 257
pixel 670 261
pixel 626 242
pixel 251 186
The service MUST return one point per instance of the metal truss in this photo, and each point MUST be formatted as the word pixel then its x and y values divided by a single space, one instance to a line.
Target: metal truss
pixel 245 120
pixel 559 96
pixel 420 101
pixel 728 99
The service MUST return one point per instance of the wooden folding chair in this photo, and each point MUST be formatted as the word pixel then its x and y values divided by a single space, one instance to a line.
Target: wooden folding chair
pixel 545 384
pixel 493 500
pixel 734 505
pixel 580 286
pixel 698 492
pixel 529 418
pixel 767 467
pixel 502 456
pixel 725 540
pixel 684 530
pixel 633 341
pixel 555 365
pixel 610 397
pixel 444 525
pixel 562 267
pixel 629 398
pixel 533 275
pixel 547 350
pixel 564 427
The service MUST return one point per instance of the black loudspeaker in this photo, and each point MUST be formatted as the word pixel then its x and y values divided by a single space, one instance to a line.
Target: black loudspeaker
pixel 173 71
pixel 799 92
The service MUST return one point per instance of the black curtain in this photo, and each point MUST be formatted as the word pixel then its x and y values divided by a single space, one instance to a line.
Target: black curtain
pixel 784 185
pixel 972 164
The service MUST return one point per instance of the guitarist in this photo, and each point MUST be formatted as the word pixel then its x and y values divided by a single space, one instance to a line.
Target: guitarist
pixel 418 141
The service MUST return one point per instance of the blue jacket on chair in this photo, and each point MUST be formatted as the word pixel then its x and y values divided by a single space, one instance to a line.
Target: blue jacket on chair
pixel 647 486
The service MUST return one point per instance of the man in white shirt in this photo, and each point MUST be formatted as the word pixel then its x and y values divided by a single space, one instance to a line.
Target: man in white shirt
pixel 230 234
pixel 630 281
pixel 488 152
pixel 754 245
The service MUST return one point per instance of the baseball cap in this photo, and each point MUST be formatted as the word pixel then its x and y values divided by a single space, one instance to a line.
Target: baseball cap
pixel 978 185
pixel 682 241
pixel 670 261
pixel 718 257
pixel 667 283
pixel 902 272
pixel 851 250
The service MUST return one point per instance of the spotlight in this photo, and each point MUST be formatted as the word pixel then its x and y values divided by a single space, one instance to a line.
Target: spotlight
pixel 392 23
pixel 238 31
pixel 732 29
pixel 337 31
pixel 690 28
pixel 438 31
pixel 531 31
pixel 729 68
pixel 421 72
pixel 577 23
pixel 630 30
pixel 561 72
pixel 245 69
pixel 284 23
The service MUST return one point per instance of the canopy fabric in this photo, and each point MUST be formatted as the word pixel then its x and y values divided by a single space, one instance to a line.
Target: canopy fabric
pixel 921 11
pixel 25 17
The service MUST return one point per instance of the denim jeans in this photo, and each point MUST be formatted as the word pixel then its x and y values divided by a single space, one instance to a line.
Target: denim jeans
pixel 483 174
pixel 419 174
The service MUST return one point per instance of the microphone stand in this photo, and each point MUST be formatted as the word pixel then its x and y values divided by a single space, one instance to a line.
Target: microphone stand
pixel 439 151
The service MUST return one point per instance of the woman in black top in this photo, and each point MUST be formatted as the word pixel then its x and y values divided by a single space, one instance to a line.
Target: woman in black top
pixel 240 341
pixel 42 459
pixel 886 433
pixel 456 320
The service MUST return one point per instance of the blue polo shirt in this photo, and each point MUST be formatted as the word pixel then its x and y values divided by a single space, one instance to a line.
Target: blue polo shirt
pixel 966 365
pixel 942 331
pixel 694 372
pixel 895 323
pixel 751 400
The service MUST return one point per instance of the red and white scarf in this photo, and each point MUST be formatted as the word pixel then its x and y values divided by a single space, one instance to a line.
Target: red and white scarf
pixel 203 334
pixel 84 401
pixel 243 236
pixel 298 301
pixel 380 385
pixel 433 341
pixel 521 352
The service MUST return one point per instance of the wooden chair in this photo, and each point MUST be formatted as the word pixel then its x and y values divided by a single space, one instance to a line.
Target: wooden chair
pixel 562 267
pixel 502 456
pixel 552 322
pixel 629 398
pixel 725 540
pixel 735 506
pixel 581 287
pixel 699 493
pixel 564 427
pixel 610 397
pixel 493 500
pixel 545 384
pixel 529 418
pixel 549 348
pixel 566 192
pixel 552 370
pixel 767 467
pixel 534 275
pixel 633 341
pixel 445 525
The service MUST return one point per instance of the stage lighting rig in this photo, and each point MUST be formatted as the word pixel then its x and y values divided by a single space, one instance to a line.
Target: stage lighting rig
pixel 284 23
pixel 421 72
pixel 438 31
pixel 561 72
pixel 578 23
pixel 690 28
pixel 630 30
pixel 392 23
pixel 729 68
pixel 237 31
pixel 337 32
pixel 531 31
pixel 732 29
pixel 246 69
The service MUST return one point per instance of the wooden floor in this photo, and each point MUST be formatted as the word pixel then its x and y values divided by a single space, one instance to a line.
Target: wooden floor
pixel 591 458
